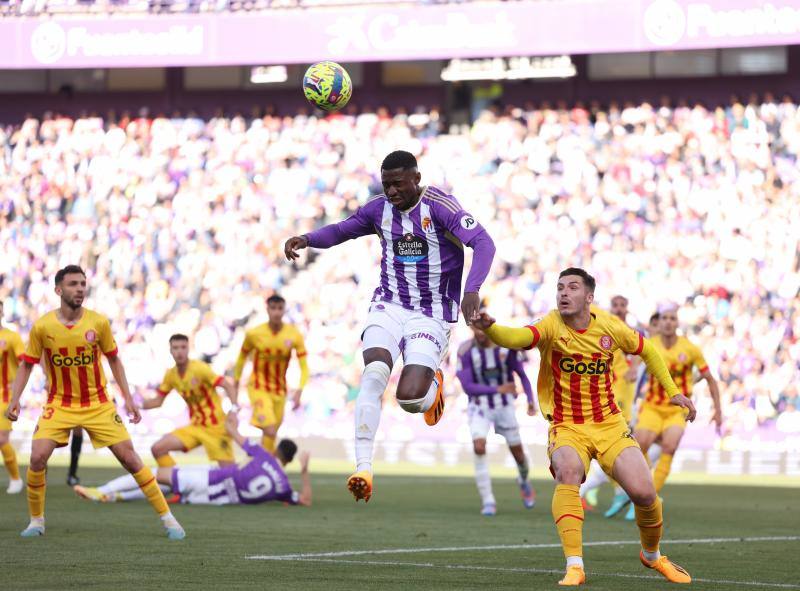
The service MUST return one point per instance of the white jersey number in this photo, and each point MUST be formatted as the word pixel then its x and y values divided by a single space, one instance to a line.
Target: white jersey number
pixel 258 487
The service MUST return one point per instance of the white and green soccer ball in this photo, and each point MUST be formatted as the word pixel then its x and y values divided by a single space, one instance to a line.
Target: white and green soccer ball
pixel 327 85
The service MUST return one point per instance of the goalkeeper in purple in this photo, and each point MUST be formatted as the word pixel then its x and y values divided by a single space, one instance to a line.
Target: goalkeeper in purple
pixel 422 231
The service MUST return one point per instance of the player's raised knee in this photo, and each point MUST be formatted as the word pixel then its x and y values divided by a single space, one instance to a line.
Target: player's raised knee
pixel 479 445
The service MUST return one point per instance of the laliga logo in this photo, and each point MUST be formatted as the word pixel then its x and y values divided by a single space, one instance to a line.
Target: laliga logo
pixel 48 43
pixel 664 22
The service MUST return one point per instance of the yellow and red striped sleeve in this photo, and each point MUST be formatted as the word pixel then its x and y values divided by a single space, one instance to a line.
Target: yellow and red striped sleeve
pixel 34 350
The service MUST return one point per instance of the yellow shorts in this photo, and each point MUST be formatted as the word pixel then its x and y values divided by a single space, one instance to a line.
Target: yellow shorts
pixel 659 418
pixel 217 443
pixel 267 408
pixel 624 394
pixel 601 441
pixel 5 424
pixel 102 423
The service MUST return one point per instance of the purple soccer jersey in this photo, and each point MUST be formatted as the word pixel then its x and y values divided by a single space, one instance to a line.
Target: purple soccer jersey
pixel 422 257
pixel 262 479
pixel 482 370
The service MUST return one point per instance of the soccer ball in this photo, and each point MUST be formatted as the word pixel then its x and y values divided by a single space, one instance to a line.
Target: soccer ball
pixel 327 86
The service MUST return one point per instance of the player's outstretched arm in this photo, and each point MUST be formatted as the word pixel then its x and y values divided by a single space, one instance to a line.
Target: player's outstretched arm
pixel 232 427
pixel 657 368
pixel 358 224
pixel 153 402
pixel 305 491
pixel 713 388
pixel 118 371
pixel 505 336
pixel 230 391
pixel 484 249
pixel 23 375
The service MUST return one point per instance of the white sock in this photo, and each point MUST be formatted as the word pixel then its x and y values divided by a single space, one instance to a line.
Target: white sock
pixel 574 561
pixel 430 397
pixel 483 479
pixel 651 556
pixel 123 483
pixel 368 411
pixel 168 519
pixel 596 477
pixel 421 404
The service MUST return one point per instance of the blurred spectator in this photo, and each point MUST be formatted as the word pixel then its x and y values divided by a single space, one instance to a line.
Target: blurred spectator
pixel 180 223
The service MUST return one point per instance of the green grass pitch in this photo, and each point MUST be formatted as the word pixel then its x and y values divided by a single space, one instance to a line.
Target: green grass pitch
pixel 121 546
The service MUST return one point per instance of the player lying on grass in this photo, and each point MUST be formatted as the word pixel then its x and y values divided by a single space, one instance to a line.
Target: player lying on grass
pixel 577 346
pixel 262 479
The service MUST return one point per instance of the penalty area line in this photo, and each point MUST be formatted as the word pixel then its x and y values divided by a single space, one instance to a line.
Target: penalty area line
pixel 541 571
pixel 390 551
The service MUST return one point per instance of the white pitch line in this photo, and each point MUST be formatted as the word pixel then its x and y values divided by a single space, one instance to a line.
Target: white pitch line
pixel 543 571
pixel 385 551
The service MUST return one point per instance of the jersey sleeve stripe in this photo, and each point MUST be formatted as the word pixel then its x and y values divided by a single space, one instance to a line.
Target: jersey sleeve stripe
pixel 641 345
pixel 536 337
pixel 113 353
pixel 703 369
pixel 29 359
pixel 303 354
pixel 218 381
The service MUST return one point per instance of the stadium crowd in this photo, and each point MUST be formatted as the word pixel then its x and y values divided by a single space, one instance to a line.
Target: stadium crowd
pixel 180 222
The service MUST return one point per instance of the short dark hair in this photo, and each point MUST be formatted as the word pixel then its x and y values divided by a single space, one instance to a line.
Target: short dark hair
pixel 275 299
pixel 399 159
pixel 68 270
pixel 655 316
pixel 588 280
pixel 178 337
pixel 286 449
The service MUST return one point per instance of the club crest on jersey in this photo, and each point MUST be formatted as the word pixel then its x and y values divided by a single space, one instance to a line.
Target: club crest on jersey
pixel 427 225
pixel 2 344
pixel 682 358
pixel 195 381
pixel 410 249
pixel 91 336
pixel 606 342
pixel 287 343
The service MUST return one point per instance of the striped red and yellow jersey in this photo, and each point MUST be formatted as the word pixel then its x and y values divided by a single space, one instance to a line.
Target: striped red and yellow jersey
pixel 271 354
pixel 681 358
pixel 11 350
pixel 75 376
pixel 575 374
pixel 197 385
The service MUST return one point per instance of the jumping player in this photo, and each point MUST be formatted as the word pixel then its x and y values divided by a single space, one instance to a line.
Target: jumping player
pixel 422 232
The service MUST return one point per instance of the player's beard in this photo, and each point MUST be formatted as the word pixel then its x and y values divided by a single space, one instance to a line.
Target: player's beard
pixel 73 303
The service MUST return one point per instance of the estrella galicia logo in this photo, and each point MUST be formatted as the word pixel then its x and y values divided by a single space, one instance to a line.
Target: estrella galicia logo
pixel 410 249
pixel 117 419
